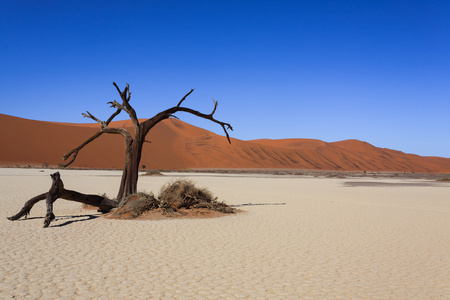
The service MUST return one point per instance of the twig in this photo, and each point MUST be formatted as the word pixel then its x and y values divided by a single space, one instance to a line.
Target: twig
pixel 253 204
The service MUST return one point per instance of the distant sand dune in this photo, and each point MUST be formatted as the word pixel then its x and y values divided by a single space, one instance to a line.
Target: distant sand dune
pixel 178 145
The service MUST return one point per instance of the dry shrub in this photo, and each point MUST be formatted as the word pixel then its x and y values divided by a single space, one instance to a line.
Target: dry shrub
pixel 183 193
pixel 152 173
pixel 134 205
pixel 444 179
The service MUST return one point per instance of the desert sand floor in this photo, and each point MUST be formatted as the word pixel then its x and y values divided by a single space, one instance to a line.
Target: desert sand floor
pixel 351 238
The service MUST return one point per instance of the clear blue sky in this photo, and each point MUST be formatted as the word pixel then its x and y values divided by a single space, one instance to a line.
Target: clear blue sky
pixel 377 71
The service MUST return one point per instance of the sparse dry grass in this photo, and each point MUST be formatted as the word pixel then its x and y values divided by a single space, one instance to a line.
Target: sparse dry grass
pixel 152 173
pixel 444 179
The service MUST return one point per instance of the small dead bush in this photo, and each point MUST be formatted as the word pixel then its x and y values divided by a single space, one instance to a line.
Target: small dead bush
pixel 443 179
pixel 153 173
pixel 183 193
pixel 135 205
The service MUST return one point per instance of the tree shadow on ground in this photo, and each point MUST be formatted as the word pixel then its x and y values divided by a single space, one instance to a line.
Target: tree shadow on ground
pixel 74 219
pixel 69 219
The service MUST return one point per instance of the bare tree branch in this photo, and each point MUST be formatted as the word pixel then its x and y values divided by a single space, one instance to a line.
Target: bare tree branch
pixel 121 131
pixel 126 96
pixel 90 116
pixel 104 129
pixel 215 106
pixel 117 105
pixel 113 116
pixel 169 113
pixel 224 125
pixel 104 125
pixel 185 96
pixel 74 152
pixel 117 88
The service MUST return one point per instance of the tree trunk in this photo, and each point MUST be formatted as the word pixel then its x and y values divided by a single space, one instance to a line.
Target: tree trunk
pixel 128 183
pixel 56 191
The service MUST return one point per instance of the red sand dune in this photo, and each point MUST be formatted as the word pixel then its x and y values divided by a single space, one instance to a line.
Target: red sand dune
pixel 178 145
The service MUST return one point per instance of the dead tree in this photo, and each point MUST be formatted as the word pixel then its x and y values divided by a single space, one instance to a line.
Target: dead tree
pixel 133 152
pixel 133 145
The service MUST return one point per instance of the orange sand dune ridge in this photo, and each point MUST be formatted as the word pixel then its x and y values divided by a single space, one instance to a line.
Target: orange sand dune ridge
pixel 178 145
